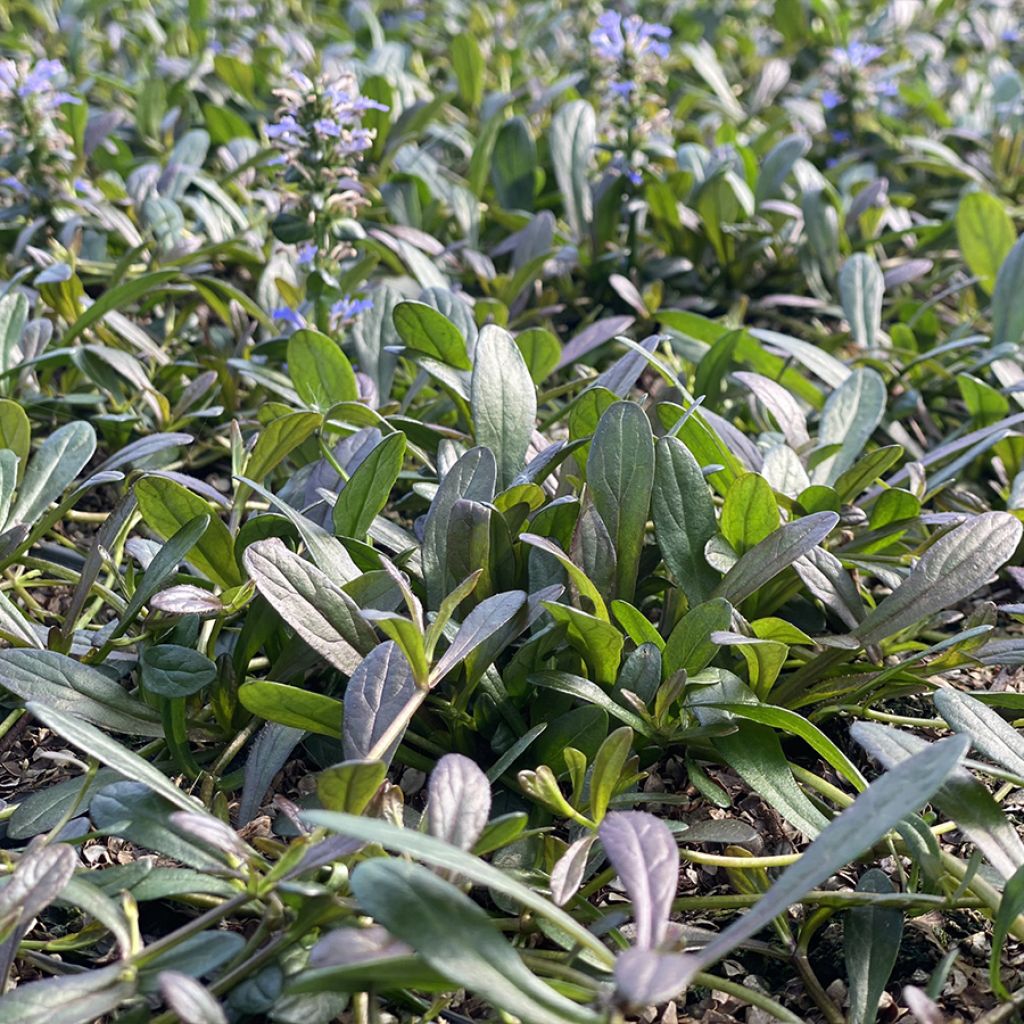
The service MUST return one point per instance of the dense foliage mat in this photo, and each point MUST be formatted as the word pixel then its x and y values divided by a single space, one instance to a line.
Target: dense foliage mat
pixel 511 509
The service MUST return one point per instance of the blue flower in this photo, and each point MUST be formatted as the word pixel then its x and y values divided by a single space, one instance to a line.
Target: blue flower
pixel 289 316
pixel 325 126
pixel 621 90
pixel 857 54
pixel 307 253
pixel 347 308
pixel 287 129
pixel 840 137
pixel 617 38
pixel 830 99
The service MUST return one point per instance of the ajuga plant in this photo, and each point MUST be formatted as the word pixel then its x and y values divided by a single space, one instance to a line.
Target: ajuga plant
pixel 510 511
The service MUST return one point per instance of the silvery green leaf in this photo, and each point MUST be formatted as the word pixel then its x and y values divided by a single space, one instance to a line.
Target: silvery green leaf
pixel 862 288
pixel 572 138
pixel 879 808
pixel 342 946
pixel 186 599
pixel 419 908
pixel 130 810
pixel 459 801
pixel 785 409
pixel 990 733
pixel 63 684
pixel 71 999
pixel 380 689
pixel 88 738
pixel 825 579
pixel 189 999
pixel 503 400
pixel 962 797
pixel 311 603
pixel 644 977
pixel 778 551
pixel 210 830
pixel 851 414
pixel 56 463
pixel 953 568
pixel 39 877
pixel 645 856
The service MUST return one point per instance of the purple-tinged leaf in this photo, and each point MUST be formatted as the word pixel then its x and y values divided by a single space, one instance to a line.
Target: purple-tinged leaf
pixel 567 874
pixel 953 568
pixel 643 852
pixel 775 553
pixel 459 801
pixel 377 694
pixel 308 600
pixel 487 618
pixel 592 336
pixel 644 977
pixel 187 600
pixel 189 999
pixel 353 945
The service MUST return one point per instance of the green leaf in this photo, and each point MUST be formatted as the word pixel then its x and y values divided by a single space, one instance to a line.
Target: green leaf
pixel 56 463
pixel 418 907
pixel 750 512
pixel 503 400
pixel 291 706
pixel 1010 907
pixel 579 579
pixel 871 943
pixel 121 295
pixel 468 62
pixel 684 518
pixel 953 568
pixel 514 165
pixel 541 351
pixel 112 754
pixel 689 645
pixel 63 684
pixel 171 670
pixel 425 330
pixel 572 139
pixel 320 371
pixel 609 761
pixel 367 490
pixel 1007 309
pixel 166 507
pixel 597 640
pixel 583 729
pixel 350 786
pixel 755 754
pixel 15 432
pixel 985 233
pixel 278 439
pixel 620 475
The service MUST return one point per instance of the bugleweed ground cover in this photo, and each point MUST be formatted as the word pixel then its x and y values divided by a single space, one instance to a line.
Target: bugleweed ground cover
pixel 511 511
